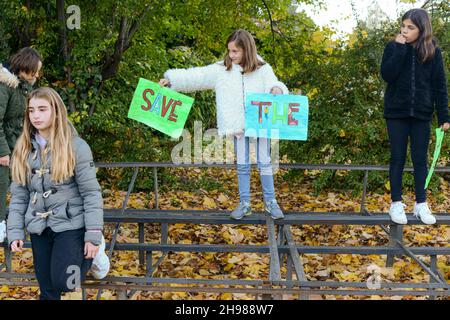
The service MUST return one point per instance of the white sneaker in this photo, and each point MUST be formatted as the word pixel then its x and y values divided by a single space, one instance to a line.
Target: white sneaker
pixel 397 213
pixel 2 231
pixel 100 263
pixel 423 212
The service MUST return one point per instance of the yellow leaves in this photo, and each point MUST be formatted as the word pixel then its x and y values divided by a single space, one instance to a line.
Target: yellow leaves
pixel 352 39
pixel 27 254
pixel 346 258
pixel 226 296
pixel 342 133
pixel 4 289
pixel 236 236
pixel 254 269
pixel 167 295
pixel 387 185
pixel 204 272
pixel 317 37
pixel 234 259
pixel 77 295
pixel 228 267
pixel 222 198
pixel 323 273
pixel 106 295
pixel 422 237
pixel 226 235
pixel 348 276
pixel 179 295
pixel 312 93
pixel 209 203
pixel 293 196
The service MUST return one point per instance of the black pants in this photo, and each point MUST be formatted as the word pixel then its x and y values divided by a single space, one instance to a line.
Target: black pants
pixel 399 131
pixel 59 261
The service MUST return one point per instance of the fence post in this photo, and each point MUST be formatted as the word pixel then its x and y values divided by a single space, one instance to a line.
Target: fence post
pixel 8 259
pixel 434 268
pixel 363 199
pixel 141 240
pixel 155 187
pixel 395 233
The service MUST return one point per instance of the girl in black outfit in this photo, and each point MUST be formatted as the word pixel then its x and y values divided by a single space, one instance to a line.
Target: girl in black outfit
pixel 413 68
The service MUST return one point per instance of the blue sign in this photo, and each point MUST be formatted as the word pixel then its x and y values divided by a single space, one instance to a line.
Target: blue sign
pixel 276 116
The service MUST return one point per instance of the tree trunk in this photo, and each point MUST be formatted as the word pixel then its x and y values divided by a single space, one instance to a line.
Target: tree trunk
pixel 64 47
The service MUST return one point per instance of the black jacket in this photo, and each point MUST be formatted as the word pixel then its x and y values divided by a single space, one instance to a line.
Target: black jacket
pixel 413 89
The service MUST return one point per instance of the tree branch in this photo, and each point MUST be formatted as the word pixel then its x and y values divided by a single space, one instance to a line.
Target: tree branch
pixel 271 20
pixel 123 43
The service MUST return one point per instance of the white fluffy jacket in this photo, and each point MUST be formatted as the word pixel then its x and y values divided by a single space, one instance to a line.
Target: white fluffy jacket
pixel 230 87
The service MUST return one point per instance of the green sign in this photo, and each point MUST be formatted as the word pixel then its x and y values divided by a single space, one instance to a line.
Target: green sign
pixel 437 151
pixel 160 108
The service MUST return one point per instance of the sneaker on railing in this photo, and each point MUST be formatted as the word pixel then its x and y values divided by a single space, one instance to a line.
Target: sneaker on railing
pixel 422 211
pixel 274 210
pixel 397 213
pixel 242 210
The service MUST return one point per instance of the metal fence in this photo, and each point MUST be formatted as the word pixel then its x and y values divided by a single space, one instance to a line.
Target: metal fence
pixel 281 248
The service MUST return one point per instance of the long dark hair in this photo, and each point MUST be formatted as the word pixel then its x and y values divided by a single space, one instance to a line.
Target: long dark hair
pixel 426 44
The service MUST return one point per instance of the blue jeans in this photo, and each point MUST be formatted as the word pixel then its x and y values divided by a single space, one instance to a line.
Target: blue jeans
pixel 241 149
pixel 418 131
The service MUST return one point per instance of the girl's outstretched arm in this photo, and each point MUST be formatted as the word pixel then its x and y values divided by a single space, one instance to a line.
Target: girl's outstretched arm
pixel 392 61
pixel 90 191
pixel 20 197
pixel 193 79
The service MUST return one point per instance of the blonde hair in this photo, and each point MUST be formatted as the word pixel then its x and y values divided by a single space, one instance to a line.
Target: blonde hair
pixel 243 39
pixel 59 144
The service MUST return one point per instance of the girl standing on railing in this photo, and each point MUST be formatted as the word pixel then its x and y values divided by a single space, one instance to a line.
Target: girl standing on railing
pixel 241 71
pixel 413 68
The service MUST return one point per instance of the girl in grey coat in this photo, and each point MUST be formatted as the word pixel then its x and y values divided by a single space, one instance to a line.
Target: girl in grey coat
pixel 55 196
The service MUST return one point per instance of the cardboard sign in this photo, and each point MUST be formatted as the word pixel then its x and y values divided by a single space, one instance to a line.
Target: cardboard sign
pixel 160 108
pixel 279 116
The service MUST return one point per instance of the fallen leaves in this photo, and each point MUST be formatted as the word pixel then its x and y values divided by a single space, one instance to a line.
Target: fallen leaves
pixel 292 197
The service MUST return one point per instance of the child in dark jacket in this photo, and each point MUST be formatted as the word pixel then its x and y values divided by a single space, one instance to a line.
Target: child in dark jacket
pixel 16 80
pixel 413 68
pixel 55 196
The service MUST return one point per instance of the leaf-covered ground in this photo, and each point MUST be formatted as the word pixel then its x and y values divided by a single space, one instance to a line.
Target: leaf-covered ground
pixel 292 197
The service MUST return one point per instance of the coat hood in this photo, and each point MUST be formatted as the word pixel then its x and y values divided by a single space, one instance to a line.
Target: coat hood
pixel 7 78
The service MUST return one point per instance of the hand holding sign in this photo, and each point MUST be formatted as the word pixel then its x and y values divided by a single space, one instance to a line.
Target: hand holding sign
pixel 160 108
